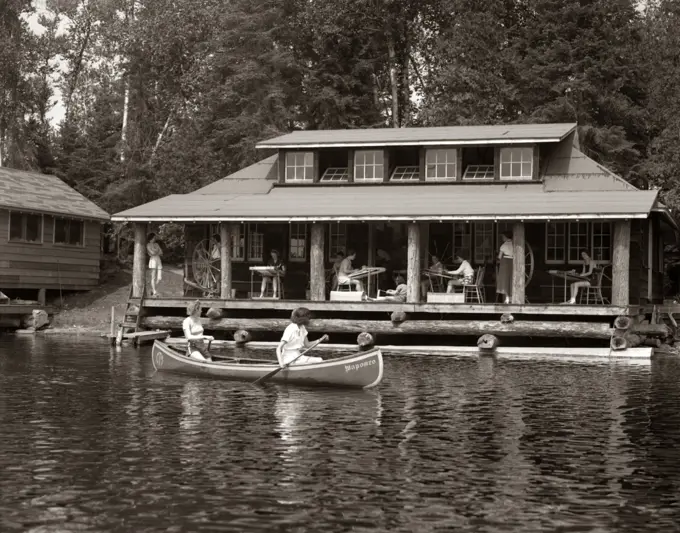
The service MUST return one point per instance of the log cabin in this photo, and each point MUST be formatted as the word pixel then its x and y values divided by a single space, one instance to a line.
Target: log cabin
pixel 50 235
pixel 413 193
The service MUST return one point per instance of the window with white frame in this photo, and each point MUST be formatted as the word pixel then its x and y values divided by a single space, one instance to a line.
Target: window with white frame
pixel 484 245
pixel 440 164
pixel 298 242
pixel 406 174
pixel 255 243
pixel 602 241
pixel 335 174
pixel 238 243
pixel 68 231
pixel 299 167
pixel 479 172
pixel 25 227
pixel 337 239
pixel 578 241
pixel 517 163
pixel 555 242
pixel 368 165
pixel 462 240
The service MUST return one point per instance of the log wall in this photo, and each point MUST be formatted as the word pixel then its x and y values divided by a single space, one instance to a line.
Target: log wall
pixel 47 265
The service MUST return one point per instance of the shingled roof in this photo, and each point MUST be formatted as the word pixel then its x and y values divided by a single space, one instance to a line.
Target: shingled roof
pixel 42 193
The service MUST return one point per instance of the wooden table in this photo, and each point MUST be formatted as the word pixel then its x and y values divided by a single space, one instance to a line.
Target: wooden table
pixel 566 275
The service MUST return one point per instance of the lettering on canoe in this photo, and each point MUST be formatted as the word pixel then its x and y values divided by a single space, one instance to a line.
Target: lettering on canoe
pixel 357 366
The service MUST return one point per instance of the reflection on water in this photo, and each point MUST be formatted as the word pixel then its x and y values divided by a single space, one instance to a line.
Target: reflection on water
pixel 94 440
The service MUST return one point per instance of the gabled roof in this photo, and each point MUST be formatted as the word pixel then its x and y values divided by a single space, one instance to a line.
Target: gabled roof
pixel 42 193
pixel 448 135
pixel 258 178
pixel 569 169
pixel 399 202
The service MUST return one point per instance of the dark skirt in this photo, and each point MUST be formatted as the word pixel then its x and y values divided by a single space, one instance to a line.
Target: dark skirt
pixel 504 281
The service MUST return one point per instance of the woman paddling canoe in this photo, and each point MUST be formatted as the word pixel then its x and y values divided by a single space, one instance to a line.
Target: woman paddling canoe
pixel 193 331
pixel 294 339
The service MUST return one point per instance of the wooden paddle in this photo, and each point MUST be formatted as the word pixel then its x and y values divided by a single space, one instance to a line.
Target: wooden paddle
pixel 274 372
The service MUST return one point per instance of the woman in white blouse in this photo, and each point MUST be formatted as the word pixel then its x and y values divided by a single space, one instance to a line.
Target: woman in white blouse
pixel 504 279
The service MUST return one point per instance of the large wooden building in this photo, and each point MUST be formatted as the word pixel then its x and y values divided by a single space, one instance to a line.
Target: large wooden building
pixel 414 193
pixel 50 235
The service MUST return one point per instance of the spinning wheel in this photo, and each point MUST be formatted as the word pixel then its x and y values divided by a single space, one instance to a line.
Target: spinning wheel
pixel 528 264
pixel 206 265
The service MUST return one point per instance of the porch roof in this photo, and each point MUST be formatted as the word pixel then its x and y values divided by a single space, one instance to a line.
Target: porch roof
pixel 445 135
pixel 398 202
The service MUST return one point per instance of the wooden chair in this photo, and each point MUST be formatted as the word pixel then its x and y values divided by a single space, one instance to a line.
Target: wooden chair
pixel 475 291
pixel 592 295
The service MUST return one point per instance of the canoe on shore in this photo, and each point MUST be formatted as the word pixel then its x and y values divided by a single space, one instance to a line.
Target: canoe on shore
pixel 361 370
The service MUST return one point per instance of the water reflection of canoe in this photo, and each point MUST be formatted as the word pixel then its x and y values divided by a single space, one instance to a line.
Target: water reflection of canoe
pixel 361 370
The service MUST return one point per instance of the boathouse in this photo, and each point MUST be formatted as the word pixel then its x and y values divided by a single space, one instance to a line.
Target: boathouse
pixel 50 236
pixel 400 196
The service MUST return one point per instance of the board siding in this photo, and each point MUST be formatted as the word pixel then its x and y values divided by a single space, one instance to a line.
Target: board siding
pixel 47 265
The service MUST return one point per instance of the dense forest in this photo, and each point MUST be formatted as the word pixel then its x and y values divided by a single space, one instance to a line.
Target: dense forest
pixel 162 96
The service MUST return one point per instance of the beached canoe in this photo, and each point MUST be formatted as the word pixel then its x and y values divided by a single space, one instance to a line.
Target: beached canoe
pixel 361 370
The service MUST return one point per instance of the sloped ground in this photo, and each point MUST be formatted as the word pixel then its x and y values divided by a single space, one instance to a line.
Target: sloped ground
pixel 91 311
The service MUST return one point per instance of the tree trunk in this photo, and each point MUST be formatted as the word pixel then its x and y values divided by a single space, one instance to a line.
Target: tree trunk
pixel 394 81
pixel 139 261
pixel 590 330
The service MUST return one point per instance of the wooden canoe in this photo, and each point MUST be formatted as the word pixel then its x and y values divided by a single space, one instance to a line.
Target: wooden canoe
pixel 361 370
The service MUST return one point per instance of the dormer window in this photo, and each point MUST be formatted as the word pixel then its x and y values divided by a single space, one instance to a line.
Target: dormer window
pixel 440 164
pixel 479 172
pixel 299 167
pixel 406 174
pixel 369 166
pixel 335 174
pixel 517 163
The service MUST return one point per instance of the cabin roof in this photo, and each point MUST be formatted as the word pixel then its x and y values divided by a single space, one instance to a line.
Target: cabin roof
pixel 399 202
pixel 447 135
pixel 257 178
pixel 43 193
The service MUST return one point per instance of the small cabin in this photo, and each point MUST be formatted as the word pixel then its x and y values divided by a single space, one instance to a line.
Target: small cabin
pixel 50 235
pixel 402 196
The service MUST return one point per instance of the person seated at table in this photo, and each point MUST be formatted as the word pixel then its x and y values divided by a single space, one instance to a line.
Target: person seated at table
pixel 435 268
pixel 276 263
pixel 586 273
pixel 465 274
pixel 395 295
pixel 339 257
pixel 346 269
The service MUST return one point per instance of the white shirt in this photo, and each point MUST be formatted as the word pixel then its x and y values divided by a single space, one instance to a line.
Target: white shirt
pixel 294 336
pixel 465 269
pixel 508 249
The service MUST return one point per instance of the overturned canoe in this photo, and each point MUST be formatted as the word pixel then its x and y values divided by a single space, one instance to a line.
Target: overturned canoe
pixel 361 370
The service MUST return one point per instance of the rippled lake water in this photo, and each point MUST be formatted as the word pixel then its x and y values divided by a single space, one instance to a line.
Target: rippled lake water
pixel 93 440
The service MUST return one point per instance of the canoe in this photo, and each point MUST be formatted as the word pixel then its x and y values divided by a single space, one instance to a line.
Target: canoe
pixel 361 370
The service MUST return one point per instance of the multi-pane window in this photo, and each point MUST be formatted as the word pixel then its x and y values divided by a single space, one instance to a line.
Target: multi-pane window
pixel 406 174
pixel 335 174
pixel 555 242
pixel 517 163
pixel 238 243
pixel 337 239
pixel 440 164
pixel 578 241
pixel 368 165
pixel 67 231
pixel 299 167
pixel 479 172
pixel 462 240
pixel 602 241
pixel 298 242
pixel 25 227
pixel 484 245
pixel 255 243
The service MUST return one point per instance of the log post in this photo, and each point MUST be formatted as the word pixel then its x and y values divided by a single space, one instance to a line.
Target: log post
pixel 317 273
pixel 225 260
pixel 518 266
pixel 365 340
pixel 413 263
pixel 621 263
pixel 488 342
pixel 139 260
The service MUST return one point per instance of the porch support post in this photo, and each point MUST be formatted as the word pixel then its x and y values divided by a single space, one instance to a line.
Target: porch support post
pixel 621 263
pixel 413 263
pixel 317 273
pixel 225 260
pixel 518 266
pixel 139 260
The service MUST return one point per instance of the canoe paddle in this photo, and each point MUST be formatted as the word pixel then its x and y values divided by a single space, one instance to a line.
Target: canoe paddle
pixel 258 381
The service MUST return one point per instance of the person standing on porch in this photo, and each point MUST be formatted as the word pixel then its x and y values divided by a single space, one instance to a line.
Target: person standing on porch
pixel 505 259
pixel 155 264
